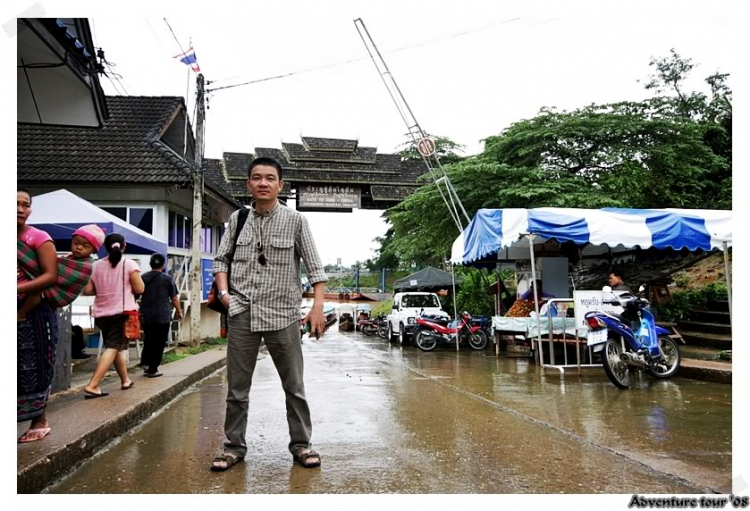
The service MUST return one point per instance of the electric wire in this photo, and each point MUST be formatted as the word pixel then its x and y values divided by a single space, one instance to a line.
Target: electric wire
pixel 351 61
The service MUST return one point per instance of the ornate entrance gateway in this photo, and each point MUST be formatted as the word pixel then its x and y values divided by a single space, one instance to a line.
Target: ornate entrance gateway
pixel 327 174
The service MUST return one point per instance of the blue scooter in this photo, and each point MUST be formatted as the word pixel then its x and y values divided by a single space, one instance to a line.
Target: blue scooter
pixel 631 340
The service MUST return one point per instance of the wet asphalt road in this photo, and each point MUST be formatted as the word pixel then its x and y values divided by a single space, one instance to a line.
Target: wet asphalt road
pixel 388 419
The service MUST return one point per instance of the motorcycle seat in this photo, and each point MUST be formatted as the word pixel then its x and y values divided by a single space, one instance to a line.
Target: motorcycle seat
pixel 439 321
pixel 623 319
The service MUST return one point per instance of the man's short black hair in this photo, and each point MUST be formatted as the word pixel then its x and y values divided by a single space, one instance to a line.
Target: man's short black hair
pixel 618 273
pixel 264 160
pixel 157 261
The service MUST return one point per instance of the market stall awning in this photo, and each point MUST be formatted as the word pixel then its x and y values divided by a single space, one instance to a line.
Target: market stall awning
pixel 59 213
pixel 426 278
pixel 493 230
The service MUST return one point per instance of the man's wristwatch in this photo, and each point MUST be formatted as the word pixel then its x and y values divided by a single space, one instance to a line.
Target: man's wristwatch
pixel 222 294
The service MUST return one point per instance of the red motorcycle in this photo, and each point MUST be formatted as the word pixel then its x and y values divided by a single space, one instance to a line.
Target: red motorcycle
pixel 432 330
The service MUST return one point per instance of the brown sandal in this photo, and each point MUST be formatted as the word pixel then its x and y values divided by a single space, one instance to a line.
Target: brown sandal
pixel 228 458
pixel 303 457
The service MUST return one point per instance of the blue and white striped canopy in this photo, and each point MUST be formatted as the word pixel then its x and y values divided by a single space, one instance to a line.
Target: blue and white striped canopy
pixel 492 230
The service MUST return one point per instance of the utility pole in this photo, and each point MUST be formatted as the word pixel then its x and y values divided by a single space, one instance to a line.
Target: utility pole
pixel 195 253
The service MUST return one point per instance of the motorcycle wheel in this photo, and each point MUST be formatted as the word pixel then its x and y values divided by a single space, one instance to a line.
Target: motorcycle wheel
pixel 383 332
pixel 424 340
pixel 478 340
pixel 617 371
pixel 672 359
pixel 369 329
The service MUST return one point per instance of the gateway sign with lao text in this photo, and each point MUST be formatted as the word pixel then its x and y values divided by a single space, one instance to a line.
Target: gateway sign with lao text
pixel 329 198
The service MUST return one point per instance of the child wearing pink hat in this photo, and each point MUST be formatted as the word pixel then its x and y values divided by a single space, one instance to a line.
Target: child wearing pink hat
pixel 73 271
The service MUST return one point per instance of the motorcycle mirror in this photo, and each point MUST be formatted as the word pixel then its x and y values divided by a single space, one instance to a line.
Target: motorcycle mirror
pixel 607 289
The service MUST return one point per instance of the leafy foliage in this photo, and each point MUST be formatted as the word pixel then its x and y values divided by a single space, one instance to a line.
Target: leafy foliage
pixel 673 150
pixel 685 301
pixel 473 296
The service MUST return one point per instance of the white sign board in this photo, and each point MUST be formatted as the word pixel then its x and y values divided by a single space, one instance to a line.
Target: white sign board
pixel 330 197
pixel 587 301
pixel 413 282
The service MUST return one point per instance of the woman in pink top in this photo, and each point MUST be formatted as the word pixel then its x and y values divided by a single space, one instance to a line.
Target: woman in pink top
pixel 114 281
pixel 37 334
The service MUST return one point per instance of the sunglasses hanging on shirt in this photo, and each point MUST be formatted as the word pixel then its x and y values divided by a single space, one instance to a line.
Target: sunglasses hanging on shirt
pixel 261 258
pixel 259 245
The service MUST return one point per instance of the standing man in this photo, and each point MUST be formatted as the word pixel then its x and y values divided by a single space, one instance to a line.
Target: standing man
pixel 617 281
pixel 264 297
pixel 156 307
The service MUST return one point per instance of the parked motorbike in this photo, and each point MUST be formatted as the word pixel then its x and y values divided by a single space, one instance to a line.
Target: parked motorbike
pixel 372 326
pixel 382 326
pixel 631 340
pixel 431 331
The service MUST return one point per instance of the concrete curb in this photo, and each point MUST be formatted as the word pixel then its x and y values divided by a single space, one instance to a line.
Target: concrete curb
pixel 705 373
pixel 41 473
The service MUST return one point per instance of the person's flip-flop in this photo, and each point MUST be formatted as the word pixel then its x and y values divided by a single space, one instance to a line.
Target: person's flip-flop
pixel 228 458
pixel 26 437
pixel 128 386
pixel 303 457
pixel 152 375
pixel 93 395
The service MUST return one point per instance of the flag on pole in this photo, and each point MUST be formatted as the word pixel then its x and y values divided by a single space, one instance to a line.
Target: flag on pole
pixel 189 59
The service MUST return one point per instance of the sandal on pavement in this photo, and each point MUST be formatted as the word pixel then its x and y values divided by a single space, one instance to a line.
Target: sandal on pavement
pixel 94 395
pixel 228 458
pixel 153 375
pixel 128 386
pixel 32 435
pixel 303 457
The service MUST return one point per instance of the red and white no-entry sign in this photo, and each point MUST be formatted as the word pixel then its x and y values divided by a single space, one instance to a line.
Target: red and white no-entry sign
pixel 426 147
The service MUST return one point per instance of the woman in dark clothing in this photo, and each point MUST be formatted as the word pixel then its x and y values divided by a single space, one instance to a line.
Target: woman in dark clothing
pixel 37 334
pixel 157 314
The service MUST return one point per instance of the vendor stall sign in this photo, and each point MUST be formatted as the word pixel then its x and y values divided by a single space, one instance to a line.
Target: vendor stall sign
pixel 587 301
pixel 320 197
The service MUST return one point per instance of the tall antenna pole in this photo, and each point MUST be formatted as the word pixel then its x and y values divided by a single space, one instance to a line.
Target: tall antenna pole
pixel 423 143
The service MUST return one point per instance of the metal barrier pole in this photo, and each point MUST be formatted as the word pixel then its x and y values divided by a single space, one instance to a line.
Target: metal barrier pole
pixel 578 352
pixel 536 299
pixel 550 333
pixel 728 278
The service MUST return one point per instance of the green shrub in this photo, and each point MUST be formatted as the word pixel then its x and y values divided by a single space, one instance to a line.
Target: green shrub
pixel 684 301
pixel 682 279
pixel 172 357
pixel 382 308
pixel 725 355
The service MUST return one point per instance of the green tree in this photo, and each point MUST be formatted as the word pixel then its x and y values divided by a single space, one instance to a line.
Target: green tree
pixel 673 150
pixel 385 256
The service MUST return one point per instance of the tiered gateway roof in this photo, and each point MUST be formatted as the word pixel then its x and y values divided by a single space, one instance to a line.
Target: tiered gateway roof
pixel 384 179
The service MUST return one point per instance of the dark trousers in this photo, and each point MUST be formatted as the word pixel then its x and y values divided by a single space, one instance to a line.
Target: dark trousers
pixel 155 337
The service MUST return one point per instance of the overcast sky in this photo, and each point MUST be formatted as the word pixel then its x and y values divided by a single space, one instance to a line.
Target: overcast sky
pixel 467 74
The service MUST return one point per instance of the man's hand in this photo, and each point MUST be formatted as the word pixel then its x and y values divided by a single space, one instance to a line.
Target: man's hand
pixel 178 315
pixel 317 321
pixel 225 300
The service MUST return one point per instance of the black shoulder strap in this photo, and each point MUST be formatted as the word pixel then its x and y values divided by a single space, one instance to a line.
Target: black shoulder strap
pixel 241 219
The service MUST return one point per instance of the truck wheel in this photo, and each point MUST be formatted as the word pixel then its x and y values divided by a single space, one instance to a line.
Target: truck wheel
pixel 402 339
pixel 390 335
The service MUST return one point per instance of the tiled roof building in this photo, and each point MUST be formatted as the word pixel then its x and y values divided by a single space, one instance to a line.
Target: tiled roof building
pixel 141 143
